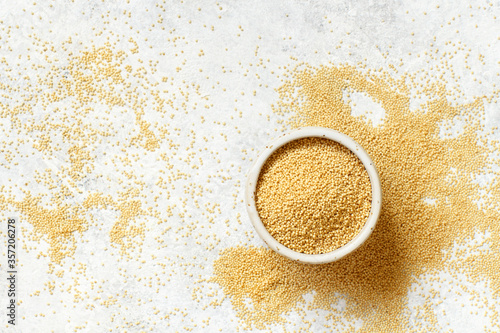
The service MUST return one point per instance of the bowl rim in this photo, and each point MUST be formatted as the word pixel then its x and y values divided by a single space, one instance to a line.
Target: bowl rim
pixel 321 132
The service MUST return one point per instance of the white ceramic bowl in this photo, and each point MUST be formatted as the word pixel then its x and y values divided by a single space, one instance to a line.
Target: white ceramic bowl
pixel 367 229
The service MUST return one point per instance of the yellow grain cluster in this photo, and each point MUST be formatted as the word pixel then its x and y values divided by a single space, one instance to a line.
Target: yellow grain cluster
pixel 413 238
pixel 313 195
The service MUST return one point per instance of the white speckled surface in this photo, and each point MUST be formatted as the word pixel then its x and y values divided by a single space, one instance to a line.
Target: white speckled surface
pixel 246 46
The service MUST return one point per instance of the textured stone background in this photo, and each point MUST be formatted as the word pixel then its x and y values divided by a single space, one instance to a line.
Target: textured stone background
pixel 281 33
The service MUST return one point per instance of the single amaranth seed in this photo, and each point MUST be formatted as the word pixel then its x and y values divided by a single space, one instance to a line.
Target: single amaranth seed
pixel 313 195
